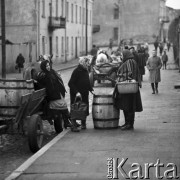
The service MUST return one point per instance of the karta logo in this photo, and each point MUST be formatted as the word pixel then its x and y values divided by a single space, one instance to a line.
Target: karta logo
pixel 117 168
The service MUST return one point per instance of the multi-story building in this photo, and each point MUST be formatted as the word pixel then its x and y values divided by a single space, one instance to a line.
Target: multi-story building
pixel 127 19
pixel 59 27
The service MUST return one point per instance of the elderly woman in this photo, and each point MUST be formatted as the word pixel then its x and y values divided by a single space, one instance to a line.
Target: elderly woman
pixel 79 85
pixel 55 90
pixel 129 103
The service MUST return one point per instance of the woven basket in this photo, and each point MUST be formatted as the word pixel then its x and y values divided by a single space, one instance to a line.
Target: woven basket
pixel 127 87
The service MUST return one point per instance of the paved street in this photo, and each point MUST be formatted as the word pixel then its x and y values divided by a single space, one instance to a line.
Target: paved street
pixel 156 136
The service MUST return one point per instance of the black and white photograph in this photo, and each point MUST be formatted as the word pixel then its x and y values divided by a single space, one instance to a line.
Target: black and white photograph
pixel 89 89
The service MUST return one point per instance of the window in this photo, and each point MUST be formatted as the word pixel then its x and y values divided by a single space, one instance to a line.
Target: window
pixel 116 13
pixel 62 7
pixel 72 45
pixel 72 13
pixel 80 15
pixel 43 44
pixel 76 14
pixel 62 46
pixel 57 8
pixel 43 8
pixel 67 11
pixel 116 33
pixel 57 46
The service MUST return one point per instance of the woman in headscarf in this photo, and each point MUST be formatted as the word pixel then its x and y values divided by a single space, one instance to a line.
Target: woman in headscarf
pixel 129 103
pixel 55 90
pixel 79 85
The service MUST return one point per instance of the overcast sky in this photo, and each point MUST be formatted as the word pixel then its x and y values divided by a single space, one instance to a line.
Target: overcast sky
pixel 175 4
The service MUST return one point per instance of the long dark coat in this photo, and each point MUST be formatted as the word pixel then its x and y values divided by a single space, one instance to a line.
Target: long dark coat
pixel 79 82
pixel 129 102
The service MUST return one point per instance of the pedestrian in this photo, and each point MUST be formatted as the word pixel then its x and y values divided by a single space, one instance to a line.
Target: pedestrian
pixel 55 91
pixel 94 51
pixel 156 44
pixel 161 47
pixel 168 45
pixel 135 54
pixel 110 44
pixel 164 59
pixel 20 62
pixel 154 65
pixel 142 61
pixel 79 85
pixel 129 103
pixel 146 47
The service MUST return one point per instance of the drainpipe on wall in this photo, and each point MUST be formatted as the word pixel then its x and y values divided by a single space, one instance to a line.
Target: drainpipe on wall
pixel 65 41
pixel 86 27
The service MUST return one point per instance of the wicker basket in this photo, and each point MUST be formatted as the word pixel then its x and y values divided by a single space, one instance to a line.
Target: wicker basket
pixel 127 87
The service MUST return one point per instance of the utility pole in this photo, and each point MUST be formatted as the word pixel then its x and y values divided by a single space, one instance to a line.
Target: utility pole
pixel 120 23
pixel 86 27
pixel 3 34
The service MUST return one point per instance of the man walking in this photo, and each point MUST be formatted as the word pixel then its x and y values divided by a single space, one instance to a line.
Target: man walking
pixel 164 59
pixel 154 65
pixel 20 62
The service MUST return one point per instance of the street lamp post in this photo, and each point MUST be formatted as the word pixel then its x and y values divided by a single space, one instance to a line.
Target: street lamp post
pixel 3 33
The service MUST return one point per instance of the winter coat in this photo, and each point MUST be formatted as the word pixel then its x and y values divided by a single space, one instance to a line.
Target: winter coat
pixel 164 58
pixel 20 61
pixel 154 65
pixel 128 102
pixel 142 63
pixel 53 83
pixel 79 82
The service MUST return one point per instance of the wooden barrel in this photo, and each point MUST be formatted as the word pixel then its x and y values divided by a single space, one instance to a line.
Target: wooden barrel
pixel 104 113
pixel 11 91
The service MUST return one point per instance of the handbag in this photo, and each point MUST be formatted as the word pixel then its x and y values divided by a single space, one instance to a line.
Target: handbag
pixel 79 110
pixel 127 87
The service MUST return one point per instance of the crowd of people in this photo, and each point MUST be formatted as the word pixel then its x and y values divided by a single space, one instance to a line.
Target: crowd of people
pixel 133 62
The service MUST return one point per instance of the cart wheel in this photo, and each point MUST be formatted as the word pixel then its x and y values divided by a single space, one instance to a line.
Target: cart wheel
pixel 91 77
pixel 58 125
pixel 113 76
pixel 35 133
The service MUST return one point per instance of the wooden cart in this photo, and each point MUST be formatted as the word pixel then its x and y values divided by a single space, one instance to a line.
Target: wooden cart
pixel 22 111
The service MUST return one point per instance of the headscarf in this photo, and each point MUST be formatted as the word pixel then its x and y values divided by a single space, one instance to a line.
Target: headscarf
pixel 83 61
pixel 43 65
pixel 127 55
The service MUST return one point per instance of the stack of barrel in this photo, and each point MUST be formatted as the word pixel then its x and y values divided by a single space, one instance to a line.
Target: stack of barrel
pixel 105 115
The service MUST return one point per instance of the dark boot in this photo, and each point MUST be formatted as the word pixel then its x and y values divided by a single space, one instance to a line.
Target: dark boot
pixel 126 119
pixel 152 85
pixel 130 124
pixel 83 124
pixel 66 118
pixel 74 126
pixel 156 84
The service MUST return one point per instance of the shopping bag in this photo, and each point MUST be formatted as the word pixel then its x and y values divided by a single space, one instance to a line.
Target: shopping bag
pixel 79 110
